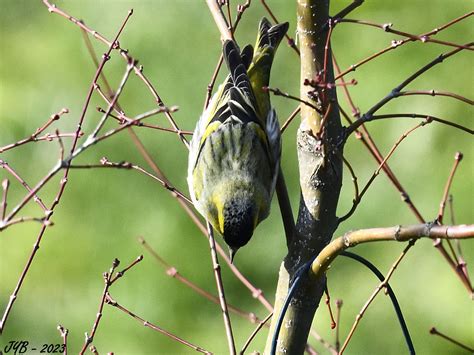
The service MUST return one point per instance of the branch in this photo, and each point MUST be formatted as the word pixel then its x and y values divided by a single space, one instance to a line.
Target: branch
pixel 396 44
pixel 64 179
pixel 220 20
pixel 435 331
pixel 291 42
pixel 34 137
pixel 397 233
pixel 220 290
pixel 171 271
pixel 107 282
pixel 110 301
pixel 368 116
pixel 419 115
pixel 387 27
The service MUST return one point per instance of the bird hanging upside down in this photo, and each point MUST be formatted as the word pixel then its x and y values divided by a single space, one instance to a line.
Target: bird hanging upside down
pixel 235 150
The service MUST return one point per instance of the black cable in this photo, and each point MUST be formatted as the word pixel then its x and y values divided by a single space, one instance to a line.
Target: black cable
pixel 294 285
pixel 390 292
pixel 298 277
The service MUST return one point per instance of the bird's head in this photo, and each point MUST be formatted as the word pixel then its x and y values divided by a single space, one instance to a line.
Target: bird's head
pixel 239 219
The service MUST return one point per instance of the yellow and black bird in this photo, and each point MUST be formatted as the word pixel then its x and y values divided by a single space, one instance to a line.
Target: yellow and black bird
pixel 235 150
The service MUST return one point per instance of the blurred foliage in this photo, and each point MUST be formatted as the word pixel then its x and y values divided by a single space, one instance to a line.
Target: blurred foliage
pixel 44 66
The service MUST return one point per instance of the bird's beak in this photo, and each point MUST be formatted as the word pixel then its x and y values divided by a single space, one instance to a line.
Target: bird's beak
pixel 232 253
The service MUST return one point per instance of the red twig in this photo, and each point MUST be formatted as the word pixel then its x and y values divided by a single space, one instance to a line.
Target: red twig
pixel 291 42
pixel 328 304
pixel 120 274
pixel 457 159
pixel 210 86
pixel 171 271
pixel 435 331
pixel 37 199
pixel 34 137
pixel 107 282
pixel 337 342
pixel 138 69
pixel 436 93
pixel 254 333
pixel 110 301
pixel 278 92
pixel 290 119
pixel 3 206
pixel 387 27
pixel 396 44
pixel 377 171
pixel 63 181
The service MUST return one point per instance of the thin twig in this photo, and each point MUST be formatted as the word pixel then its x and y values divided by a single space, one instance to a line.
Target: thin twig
pixel 220 290
pixel 220 20
pixel 290 119
pixel 460 261
pixel 369 143
pixel 254 333
pixel 323 342
pixel 107 278
pixel 160 103
pixel 396 44
pixel 110 301
pixel 229 15
pixel 419 115
pixel 322 127
pixel 43 221
pixel 457 159
pixel 353 178
pixel 171 271
pixel 210 86
pixel 125 77
pixel 436 93
pixel 337 342
pixel 370 113
pixel 120 274
pixel 138 69
pixel 435 331
pixel 387 27
pixel 285 207
pixel 291 42
pixel 348 9
pixel 241 8
pixel 36 198
pixel 278 92
pixel 34 137
pixel 63 332
pixel 63 181
pixel 328 305
pixel 3 205
pixel 105 163
pixel 357 200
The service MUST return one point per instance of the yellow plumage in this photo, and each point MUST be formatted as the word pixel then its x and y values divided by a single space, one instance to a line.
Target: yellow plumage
pixel 235 150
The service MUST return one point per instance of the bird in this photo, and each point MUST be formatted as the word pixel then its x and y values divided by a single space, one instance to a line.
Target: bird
pixel 235 150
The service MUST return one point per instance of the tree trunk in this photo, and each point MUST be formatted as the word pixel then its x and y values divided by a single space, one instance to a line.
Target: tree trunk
pixel 320 167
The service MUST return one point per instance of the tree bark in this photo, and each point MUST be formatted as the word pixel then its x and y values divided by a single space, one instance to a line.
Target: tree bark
pixel 320 167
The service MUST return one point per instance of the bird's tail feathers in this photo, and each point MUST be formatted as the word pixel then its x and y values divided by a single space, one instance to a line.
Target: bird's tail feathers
pixel 270 36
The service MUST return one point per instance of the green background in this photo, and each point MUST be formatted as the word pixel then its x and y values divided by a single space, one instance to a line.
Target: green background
pixel 44 66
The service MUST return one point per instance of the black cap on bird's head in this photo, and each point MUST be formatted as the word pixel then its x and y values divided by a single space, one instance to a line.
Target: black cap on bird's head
pixel 239 222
